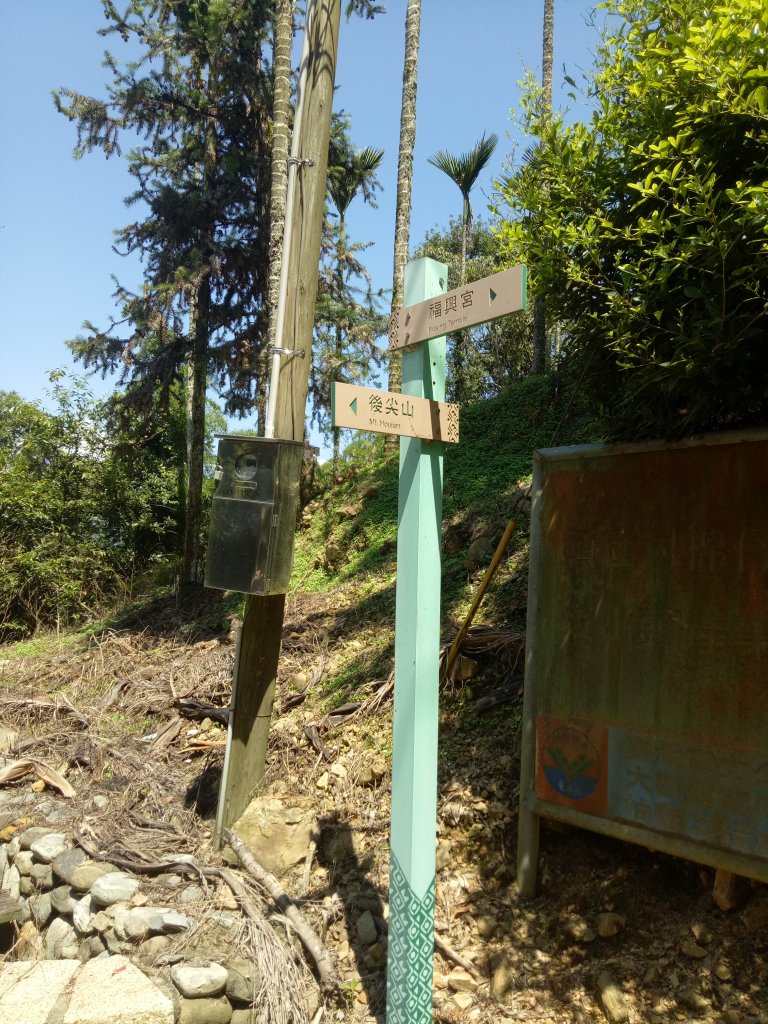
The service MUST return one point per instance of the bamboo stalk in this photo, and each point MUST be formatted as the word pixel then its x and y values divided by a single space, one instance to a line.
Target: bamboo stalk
pixel 490 572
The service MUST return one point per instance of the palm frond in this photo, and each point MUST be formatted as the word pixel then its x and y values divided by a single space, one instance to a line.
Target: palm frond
pixel 464 170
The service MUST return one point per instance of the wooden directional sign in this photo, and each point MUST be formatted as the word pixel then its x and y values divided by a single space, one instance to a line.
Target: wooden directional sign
pixel 388 412
pixel 472 304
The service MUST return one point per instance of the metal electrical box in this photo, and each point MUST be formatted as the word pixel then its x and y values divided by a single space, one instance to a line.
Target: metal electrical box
pixel 253 516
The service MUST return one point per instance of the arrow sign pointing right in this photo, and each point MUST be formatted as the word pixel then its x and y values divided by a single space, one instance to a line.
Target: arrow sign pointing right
pixel 463 307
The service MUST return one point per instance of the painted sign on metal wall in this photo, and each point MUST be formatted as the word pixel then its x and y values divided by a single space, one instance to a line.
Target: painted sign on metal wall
pixel 647 678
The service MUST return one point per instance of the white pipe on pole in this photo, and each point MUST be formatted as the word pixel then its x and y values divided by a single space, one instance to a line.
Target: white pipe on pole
pixel 293 166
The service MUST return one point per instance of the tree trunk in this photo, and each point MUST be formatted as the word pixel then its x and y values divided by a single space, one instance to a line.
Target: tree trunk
pixel 404 177
pixel 281 141
pixel 199 322
pixel 541 354
pixel 197 382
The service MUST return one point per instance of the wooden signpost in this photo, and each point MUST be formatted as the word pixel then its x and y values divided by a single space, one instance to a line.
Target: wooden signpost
pixel 472 304
pixel 424 421
pixel 387 412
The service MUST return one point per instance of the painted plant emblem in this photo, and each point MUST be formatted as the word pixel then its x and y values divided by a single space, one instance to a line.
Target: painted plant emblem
pixel 571 763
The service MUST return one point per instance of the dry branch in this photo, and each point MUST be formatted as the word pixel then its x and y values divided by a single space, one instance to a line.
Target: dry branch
pixel 329 982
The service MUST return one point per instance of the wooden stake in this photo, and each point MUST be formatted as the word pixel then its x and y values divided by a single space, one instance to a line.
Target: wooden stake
pixel 263 620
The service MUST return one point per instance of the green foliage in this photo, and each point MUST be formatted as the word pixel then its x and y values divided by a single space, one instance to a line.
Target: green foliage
pixel 197 100
pixel 347 316
pixel 84 505
pixel 498 353
pixel 646 230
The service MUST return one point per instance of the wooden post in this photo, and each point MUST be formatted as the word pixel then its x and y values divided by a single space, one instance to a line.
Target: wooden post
pixel 263 619
pixel 417 644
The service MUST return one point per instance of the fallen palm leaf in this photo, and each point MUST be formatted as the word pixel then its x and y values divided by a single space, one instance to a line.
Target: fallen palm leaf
pixel 18 769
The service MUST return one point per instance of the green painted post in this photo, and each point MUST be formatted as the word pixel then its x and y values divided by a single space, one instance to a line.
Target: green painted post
pixel 417 645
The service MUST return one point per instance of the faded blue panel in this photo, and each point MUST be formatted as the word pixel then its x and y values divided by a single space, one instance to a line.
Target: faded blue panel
pixel 671 786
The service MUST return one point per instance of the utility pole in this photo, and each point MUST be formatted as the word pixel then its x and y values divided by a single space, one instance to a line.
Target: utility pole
pixel 259 647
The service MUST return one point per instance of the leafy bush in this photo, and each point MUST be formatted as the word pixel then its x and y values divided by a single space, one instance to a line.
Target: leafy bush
pixel 647 229
pixel 82 507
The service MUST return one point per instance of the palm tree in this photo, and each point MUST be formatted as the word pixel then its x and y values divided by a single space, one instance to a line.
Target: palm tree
pixel 404 177
pixel 540 355
pixel 464 171
pixel 354 173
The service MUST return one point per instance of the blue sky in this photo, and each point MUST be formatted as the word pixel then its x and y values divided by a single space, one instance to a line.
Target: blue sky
pixel 57 215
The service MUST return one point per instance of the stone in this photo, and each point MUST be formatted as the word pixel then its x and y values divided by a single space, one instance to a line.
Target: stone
pixel 225 898
pixel 112 990
pixel 90 948
pixel 29 991
pixel 61 942
pixel 83 914
pixel 722 971
pixel 725 889
pixel 755 914
pixel 366 928
pixel 40 908
pixel 12 882
pixel 692 999
pixel 42 876
pixel 24 862
pixel 205 1011
pixel 191 894
pixel 85 875
pixel 31 835
pixel 461 981
pixel 701 933
pixel 148 953
pixel 114 887
pixel 114 943
pixel 26 885
pixel 13 847
pixel 3 858
pixel 463 1000
pixel 199 982
pixel 324 781
pixel 504 977
pixel 612 998
pixel 117 914
pixel 487 926
pixel 277 843
pixel 338 770
pixel 63 899
pixel 66 862
pixel 577 929
pixel 243 1015
pixel 693 950
pixel 100 802
pixel 48 848
pixel 443 855
pixel 609 924
pixel 140 922
pixel 243 980
pixel 30 944
pixel 102 922
pixel 371 774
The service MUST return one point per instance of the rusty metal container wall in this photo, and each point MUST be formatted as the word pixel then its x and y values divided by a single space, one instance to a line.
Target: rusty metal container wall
pixel 647 684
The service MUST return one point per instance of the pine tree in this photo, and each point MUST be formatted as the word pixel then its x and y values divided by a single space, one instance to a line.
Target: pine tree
pixel 198 99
